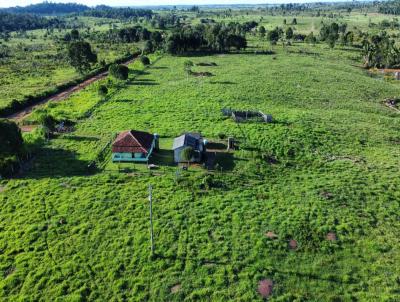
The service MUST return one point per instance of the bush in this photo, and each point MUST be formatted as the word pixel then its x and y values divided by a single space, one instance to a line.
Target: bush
pixel 119 72
pixel 103 90
pixel 145 60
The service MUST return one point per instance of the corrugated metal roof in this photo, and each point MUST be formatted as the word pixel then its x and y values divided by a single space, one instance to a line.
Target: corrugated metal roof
pixel 188 139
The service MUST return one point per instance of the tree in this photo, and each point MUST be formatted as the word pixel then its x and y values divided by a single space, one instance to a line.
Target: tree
pixel 273 35
pixel 74 35
pixel 187 154
pixel 148 47
pixel 120 72
pixel 262 31
pixel 80 56
pixel 11 140
pixel 103 91
pixel 145 60
pixel 294 21
pixel 289 33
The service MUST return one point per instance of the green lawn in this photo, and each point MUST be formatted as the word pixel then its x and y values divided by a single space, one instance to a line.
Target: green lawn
pixel 329 163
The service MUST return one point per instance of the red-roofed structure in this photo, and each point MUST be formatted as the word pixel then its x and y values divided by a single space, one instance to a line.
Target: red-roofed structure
pixel 133 145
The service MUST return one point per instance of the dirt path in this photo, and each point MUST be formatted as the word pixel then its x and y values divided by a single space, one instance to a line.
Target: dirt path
pixel 60 96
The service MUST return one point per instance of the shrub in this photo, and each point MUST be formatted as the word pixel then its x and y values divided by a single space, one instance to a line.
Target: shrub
pixel 103 90
pixel 119 72
pixel 145 60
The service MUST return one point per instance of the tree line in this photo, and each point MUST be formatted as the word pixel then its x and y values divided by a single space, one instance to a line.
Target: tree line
pixel 211 37
pixel 48 8
pixel 118 13
pixel 389 8
pixel 17 22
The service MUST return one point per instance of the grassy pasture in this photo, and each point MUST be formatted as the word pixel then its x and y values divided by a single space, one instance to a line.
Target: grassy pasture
pixel 329 163
pixel 36 63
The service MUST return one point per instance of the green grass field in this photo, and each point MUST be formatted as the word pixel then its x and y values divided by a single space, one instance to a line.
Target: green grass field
pixel 328 164
pixel 36 62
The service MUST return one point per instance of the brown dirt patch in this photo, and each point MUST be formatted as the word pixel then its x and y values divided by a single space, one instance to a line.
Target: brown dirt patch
pixel 176 288
pixel 331 236
pixel 265 288
pixel 327 195
pixel 271 235
pixel 292 244
pixel 28 128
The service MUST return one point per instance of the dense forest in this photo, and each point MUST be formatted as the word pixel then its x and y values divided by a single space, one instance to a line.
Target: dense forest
pixel 118 13
pixel 48 8
pixel 216 37
pixel 390 7
pixel 15 22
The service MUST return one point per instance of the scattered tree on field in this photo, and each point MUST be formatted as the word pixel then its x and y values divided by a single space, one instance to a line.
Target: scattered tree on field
pixel 103 91
pixel 80 56
pixel 262 31
pixel 120 72
pixel 145 60
pixel 289 33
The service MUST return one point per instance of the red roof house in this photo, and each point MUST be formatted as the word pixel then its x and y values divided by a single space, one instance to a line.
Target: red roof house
pixel 133 145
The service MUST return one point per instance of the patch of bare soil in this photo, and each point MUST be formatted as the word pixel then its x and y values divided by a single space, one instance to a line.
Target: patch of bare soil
pixel 2 189
pixel 265 288
pixel 331 236
pixel 28 128
pixel 176 288
pixel 327 195
pixel 271 235
pixel 292 244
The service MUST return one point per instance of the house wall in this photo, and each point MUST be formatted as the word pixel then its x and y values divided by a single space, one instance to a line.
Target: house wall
pixel 135 157
pixel 126 157
pixel 177 156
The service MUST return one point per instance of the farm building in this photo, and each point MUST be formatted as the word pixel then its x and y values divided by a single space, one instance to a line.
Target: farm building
pixel 133 146
pixel 193 140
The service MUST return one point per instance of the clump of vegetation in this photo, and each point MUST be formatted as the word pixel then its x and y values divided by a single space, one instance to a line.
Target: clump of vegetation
pixel 118 71
pixel 103 91
pixel 145 60
pixel 81 56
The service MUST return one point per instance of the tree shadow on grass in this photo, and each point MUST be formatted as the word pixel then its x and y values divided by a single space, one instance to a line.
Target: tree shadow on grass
pixel 159 67
pixel 80 138
pixel 222 82
pixel 225 161
pixel 143 83
pixel 135 72
pixel 163 157
pixel 50 162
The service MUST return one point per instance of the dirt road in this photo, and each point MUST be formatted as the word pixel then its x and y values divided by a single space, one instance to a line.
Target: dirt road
pixel 60 96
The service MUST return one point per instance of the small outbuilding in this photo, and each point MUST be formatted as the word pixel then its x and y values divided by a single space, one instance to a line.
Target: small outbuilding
pixel 192 140
pixel 134 146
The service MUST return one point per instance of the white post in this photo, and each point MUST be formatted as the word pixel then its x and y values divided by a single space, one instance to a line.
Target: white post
pixel 151 220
